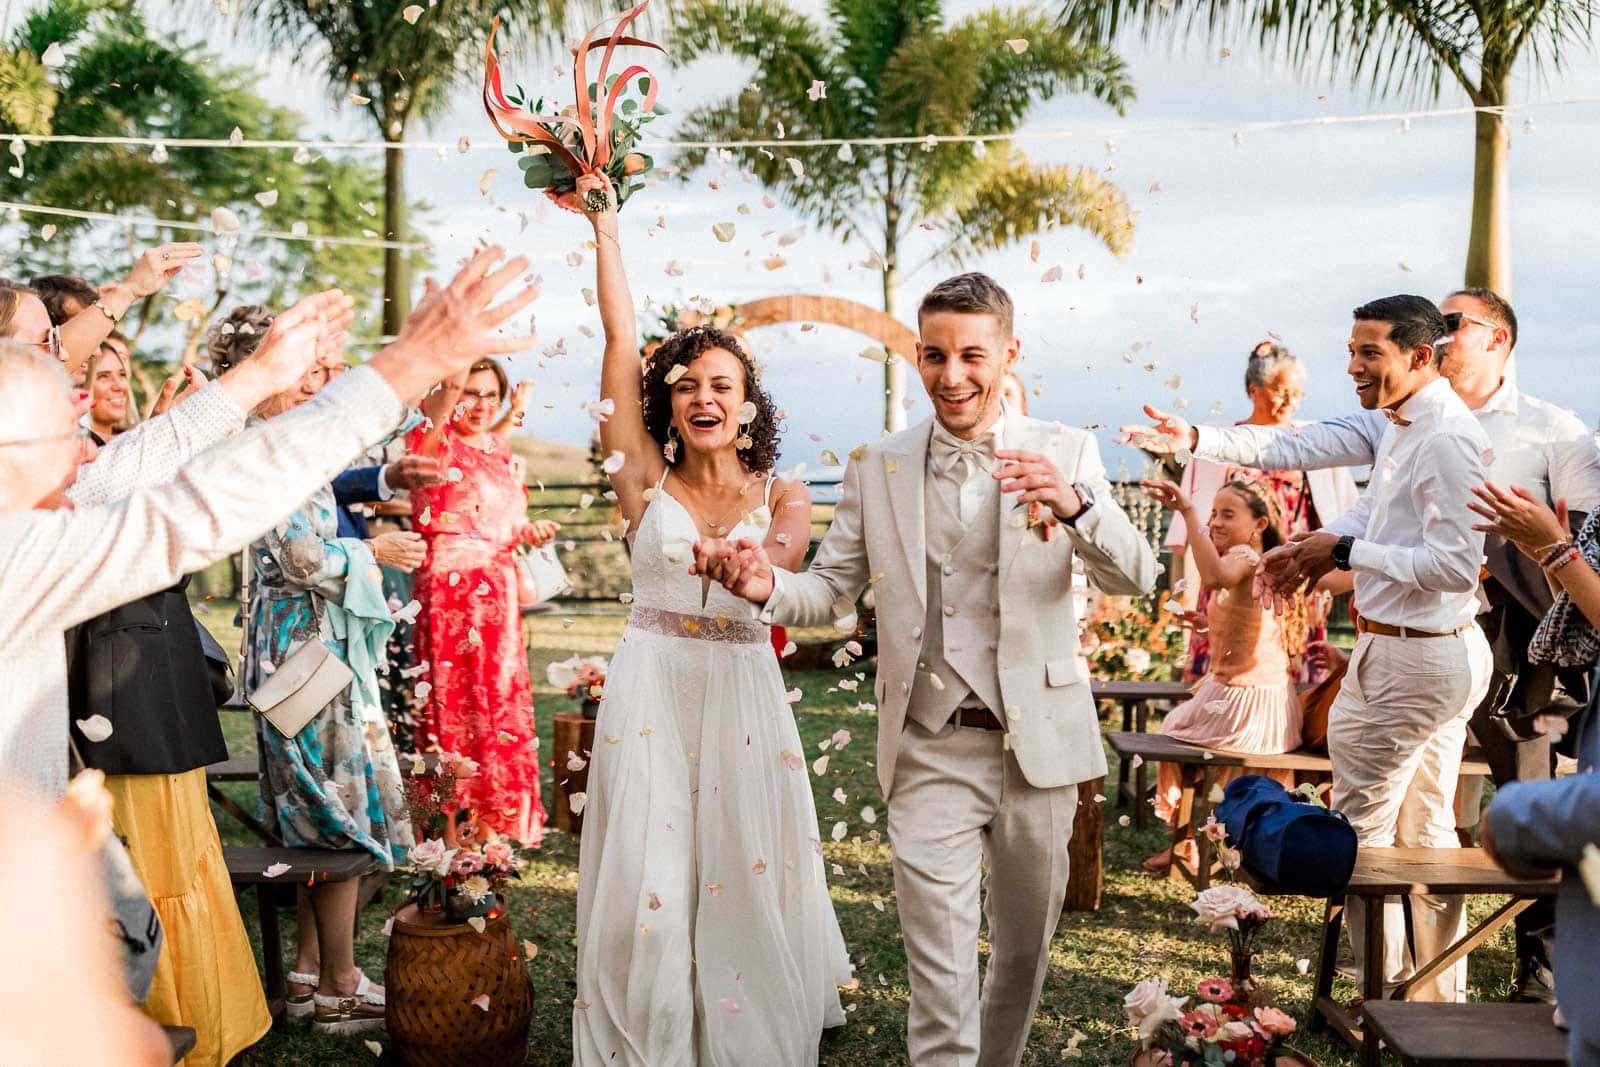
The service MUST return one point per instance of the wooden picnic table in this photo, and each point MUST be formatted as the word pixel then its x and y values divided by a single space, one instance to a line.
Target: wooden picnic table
pixel 1468 1035
pixel 1385 872
pixel 1136 698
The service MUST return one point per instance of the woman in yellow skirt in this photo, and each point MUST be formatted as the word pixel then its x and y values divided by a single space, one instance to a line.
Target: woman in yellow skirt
pixel 141 669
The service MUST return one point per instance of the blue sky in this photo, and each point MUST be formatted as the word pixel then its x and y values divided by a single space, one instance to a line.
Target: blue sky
pixel 1285 231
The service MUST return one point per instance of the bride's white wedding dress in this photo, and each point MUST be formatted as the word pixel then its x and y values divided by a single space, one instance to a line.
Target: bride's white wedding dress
pixel 705 931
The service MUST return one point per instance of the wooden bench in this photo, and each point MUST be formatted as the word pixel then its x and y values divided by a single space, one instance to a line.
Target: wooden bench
pixel 1468 1035
pixel 1384 872
pixel 1197 772
pixel 247 867
pixel 1136 699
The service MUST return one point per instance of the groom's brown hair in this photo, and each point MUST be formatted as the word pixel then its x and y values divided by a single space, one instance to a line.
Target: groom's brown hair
pixel 974 293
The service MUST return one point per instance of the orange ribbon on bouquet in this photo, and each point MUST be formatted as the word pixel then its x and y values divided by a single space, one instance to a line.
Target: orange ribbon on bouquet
pixel 587 160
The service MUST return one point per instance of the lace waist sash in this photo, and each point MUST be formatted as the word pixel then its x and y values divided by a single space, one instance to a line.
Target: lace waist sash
pixel 699 627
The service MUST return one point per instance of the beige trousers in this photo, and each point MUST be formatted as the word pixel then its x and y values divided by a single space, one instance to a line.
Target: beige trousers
pixel 1395 736
pixel 960 803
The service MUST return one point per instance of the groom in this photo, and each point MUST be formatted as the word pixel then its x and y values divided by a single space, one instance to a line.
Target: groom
pixel 967 526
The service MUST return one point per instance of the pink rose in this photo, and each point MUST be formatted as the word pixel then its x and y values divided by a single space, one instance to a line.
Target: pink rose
pixel 1275 1022
pixel 498 854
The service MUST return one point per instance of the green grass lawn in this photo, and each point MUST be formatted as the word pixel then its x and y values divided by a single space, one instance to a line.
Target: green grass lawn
pixel 1142 929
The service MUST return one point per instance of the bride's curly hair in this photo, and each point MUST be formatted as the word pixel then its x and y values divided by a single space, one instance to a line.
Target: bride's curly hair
pixel 682 349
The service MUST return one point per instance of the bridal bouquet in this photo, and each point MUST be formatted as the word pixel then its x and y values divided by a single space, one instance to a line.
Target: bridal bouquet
pixel 567 152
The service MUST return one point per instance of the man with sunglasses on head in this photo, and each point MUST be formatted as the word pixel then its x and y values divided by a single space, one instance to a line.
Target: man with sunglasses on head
pixel 1535 445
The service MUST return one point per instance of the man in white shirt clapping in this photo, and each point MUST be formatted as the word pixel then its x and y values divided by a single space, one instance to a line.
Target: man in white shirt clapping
pixel 1421 664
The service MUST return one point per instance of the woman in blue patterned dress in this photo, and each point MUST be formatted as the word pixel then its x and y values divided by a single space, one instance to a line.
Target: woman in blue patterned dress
pixel 336 784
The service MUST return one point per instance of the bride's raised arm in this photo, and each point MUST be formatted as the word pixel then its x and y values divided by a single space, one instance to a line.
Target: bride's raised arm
pixel 622 373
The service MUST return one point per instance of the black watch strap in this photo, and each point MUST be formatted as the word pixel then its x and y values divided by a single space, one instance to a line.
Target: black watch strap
pixel 1341 552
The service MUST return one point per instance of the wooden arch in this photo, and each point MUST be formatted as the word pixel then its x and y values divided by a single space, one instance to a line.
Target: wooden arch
pixel 894 335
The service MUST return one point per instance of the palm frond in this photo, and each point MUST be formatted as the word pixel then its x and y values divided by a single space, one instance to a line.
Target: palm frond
pixel 27 99
pixel 1395 47
pixel 1016 199
pixel 870 32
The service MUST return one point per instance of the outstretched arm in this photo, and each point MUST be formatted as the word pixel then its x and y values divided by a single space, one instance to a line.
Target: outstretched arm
pixel 1346 441
pixel 1216 571
pixel 622 373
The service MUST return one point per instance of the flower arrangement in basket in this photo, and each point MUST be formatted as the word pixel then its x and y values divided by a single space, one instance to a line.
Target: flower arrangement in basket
pixel 584 680
pixel 456 867
pixel 567 152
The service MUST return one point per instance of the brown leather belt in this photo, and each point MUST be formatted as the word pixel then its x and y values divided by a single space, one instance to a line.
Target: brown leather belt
pixel 1383 629
pixel 976 719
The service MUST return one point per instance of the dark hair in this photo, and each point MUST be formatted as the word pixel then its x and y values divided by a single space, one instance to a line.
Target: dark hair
pixel 1498 307
pixel 236 338
pixel 974 293
pixel 682 349
pixel 499 372
pixel 1265 358
pixel 56 289
pixel 1263 505
pixel 1413 321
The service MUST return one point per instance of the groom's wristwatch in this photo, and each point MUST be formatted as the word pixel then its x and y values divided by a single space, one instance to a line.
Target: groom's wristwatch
pixel 1085 497
pixel 1341 552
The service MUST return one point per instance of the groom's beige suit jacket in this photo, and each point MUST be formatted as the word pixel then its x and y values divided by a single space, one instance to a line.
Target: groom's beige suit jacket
pixel 878 536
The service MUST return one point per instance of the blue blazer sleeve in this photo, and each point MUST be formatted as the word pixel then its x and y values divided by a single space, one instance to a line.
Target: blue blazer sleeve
pixel 358 485
pixel 1548 823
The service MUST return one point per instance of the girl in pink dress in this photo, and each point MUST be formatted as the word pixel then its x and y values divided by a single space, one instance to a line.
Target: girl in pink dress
pixel 1245 703
pixel 477 701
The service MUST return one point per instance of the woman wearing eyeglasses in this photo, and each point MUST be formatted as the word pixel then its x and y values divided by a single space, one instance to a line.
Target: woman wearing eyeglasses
pixel 475 697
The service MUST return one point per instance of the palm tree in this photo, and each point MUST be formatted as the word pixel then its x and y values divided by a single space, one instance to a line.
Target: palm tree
pixel 397 71
pixel 893 68
pixel 1397 46
pixel 118 79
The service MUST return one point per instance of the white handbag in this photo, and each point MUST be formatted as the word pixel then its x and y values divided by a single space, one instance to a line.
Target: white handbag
pixel 304 683
pixel 542 577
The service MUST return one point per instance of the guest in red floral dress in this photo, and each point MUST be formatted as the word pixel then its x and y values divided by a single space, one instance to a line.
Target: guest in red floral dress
pixel 474 692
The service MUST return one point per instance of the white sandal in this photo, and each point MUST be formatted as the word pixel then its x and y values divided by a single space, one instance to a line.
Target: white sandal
pixel 299 1006
pixel 362 1010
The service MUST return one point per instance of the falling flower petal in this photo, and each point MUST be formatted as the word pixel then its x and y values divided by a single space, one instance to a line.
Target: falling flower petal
pixel 869 815
pixel 268 198
pixel 412 13
pixel 614 462
pixel 1018 45
pixel 577 801
pixel 723 231
pixel 677 372
pixel 841 738
pixel 275 870
pixel 96 728
pixel 601 410
pixel 839 830
pixel 529 949
pixel 796 166
pixel 481 1002
pixel 478 923
pixel 818 90
pixel 819 766
pixel 374 1047
pixel 1051 275
pixel 53 56
pixel 730 1006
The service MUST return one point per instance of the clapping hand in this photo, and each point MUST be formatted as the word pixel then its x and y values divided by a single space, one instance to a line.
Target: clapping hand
pixel 1521 519
pixel 1170 436
pixel 299 337
pixel 454 326
pixel 1288 569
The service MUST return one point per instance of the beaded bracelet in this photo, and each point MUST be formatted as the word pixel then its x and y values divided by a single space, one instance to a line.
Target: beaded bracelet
pixel 1567 557
pixel 1555 553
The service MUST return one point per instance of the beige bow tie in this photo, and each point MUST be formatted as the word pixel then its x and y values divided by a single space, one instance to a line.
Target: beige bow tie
pixel 950 453
pixel 1394 417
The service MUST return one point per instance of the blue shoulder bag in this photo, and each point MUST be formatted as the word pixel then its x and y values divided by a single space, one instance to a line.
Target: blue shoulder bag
pixel 1288 845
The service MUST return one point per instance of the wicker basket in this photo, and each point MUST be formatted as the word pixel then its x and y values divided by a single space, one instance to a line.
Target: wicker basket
pixel 436 969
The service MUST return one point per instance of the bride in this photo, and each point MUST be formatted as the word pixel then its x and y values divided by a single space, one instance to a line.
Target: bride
pixel 705 932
